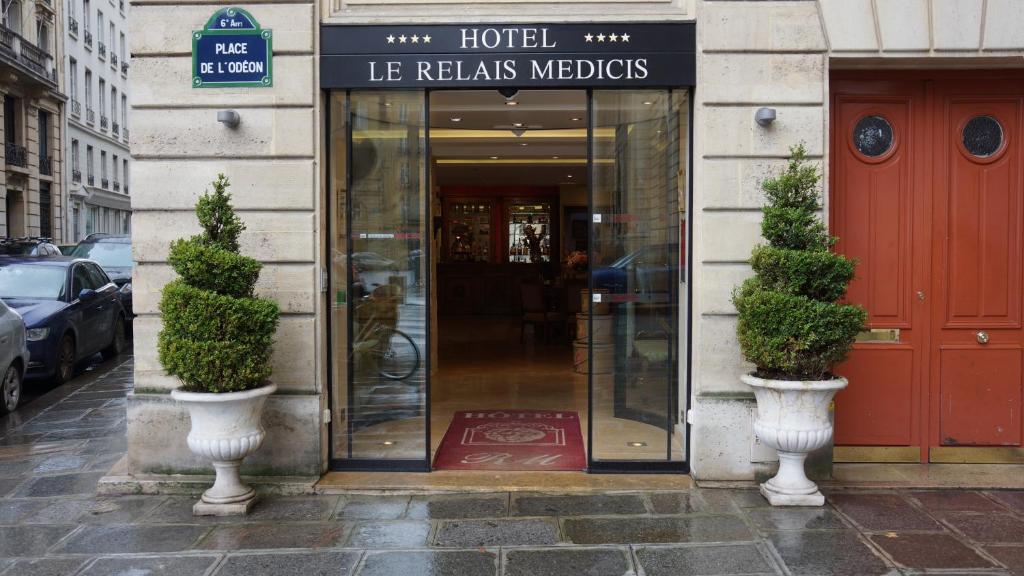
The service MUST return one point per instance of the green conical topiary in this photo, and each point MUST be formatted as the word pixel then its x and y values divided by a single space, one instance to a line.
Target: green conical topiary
pixel 790 324
pixel 217 336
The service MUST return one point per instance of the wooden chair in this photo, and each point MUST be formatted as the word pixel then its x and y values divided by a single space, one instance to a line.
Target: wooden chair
pixel 531 298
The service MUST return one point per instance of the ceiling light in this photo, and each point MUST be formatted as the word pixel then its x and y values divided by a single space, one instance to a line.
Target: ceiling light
pixel 648 102
pixel 524 143
pixel 636 444
pixel 511 103
pixel 576 119
pixel 570 175
pixel 517 124
pixel 494 157
pixel 388 443
pixel 456 119
pixel 387 103
pixel 554 157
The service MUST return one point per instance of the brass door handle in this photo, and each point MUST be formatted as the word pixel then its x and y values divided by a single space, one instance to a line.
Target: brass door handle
pixel 982 337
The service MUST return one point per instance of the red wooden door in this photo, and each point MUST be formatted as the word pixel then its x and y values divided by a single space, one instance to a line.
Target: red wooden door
pixel 876 210
pixel 926 186
pixel 978 222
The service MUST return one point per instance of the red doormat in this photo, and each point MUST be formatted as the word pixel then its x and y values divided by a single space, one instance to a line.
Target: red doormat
pixel 512 440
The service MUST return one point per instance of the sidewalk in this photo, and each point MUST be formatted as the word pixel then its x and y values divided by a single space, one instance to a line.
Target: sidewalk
pixel 51 522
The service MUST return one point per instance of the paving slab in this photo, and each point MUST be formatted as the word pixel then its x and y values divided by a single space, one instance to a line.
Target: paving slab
pixel 873 511
pixel 1013 499
pixel 430 563
pixel 1010 556
pixel 988 528
pixel 930 551
pixel 692 501
pixel 796 519
pixel 827 553
pixel 294 508
pixel 322 563
pixel 178 510
pixel 279 535
pixel 745 559
pixel 14 511
pixel 954 501
pixel 7 485
pixel 458 507
pixel 47 567
pixel 60 463
pixel 132 538
pixel 587 505
pixel 60 485
pixel 390 534
pixel 372 507
pixel 29 541
pixel 502 532
pixel 567 562
pixel 657 529
pixel 151 566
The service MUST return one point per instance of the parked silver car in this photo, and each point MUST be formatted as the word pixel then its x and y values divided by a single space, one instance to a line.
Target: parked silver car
pixel 13 358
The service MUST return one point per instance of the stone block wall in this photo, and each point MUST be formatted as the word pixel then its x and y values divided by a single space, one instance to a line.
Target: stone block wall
pixel 271 160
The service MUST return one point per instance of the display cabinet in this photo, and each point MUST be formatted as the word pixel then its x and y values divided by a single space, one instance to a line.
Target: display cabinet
pixel 468 230
pixel 529 224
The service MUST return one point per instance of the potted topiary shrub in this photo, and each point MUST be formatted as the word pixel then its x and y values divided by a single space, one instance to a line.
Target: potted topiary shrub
pixel 793 329
pixel 216 339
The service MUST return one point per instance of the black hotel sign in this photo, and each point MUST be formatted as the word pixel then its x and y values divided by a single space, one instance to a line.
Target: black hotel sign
pixel 520 55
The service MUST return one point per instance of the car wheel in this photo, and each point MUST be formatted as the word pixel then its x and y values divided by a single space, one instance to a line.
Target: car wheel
pixel 117 342
pixel 10 390
pixel 65 360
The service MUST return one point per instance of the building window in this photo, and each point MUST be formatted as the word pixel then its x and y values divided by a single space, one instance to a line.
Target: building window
pixel 873 136
pixel 12 17
pixel 124 111
pixel 124 173
pixel 43 36
pixel 103 167
pixel 90 113
pixel 90 219
pixel 44 130
pixel 983 136
pixel 76 170
pixel 103 105
pixel 124 49
pixel 45 211
pixel 14 133
pixel 89 173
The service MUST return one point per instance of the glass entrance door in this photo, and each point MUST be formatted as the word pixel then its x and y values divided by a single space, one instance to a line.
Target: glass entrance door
pixel 638 179
pixel 380 228
pixel 379 280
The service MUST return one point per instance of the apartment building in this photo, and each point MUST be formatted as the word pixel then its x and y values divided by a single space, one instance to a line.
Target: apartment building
pixel 96 38
pixel 33 112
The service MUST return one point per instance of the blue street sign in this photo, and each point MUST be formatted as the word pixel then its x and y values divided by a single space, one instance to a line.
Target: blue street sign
pixel 232 51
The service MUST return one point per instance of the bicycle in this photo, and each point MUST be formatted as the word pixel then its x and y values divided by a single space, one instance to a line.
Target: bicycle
pixel 395 353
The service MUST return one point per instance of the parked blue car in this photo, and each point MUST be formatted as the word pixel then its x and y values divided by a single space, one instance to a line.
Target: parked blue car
pixel 71 309
pixel 649 270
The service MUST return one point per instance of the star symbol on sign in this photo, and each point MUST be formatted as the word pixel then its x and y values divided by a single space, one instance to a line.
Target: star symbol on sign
pixel 426 38
pixel 390 38
pixel 600 37
pixel 613 37
pixel 401 39
pixel 415 39
pixel 625 37
pixel 589 37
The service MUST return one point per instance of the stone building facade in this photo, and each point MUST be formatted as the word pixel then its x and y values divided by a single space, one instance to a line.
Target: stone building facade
pixel 97 64
pixel 31 48
pixel 749 55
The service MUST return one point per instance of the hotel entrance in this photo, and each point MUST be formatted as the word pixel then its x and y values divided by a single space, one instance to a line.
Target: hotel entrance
pixel 508 279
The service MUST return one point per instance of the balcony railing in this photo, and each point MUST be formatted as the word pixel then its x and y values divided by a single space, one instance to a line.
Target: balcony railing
pixel 91 180
pixel 113 60
pixel 76 175
pixel 90 116
pixel 117 186
pixel 104 122
pixel 73 25
pixel 102 48
pixel 14 47
pixel 105 182
pixel 124 67
pixel 76 108
pixel 15 154
pixel 115 128
pixel 88 38
pixel 46 165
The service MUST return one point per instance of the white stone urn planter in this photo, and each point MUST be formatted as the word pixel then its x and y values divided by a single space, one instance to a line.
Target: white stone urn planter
pixel 792 417
pixel 226 427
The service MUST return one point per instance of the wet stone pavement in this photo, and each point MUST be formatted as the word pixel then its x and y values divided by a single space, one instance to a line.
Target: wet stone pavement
pixel 55 449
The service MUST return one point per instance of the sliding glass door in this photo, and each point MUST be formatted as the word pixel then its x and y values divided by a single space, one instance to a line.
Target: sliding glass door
pixel 379 280
pixel 638 191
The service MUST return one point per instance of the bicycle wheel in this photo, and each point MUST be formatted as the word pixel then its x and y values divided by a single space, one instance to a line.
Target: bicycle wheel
pixel 399 355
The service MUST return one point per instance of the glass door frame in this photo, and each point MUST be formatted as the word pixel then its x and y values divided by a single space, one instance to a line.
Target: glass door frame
pixel 682 336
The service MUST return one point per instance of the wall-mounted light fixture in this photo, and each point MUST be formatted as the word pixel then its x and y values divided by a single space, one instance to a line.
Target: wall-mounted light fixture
pixel 764 116
pixel 229 118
